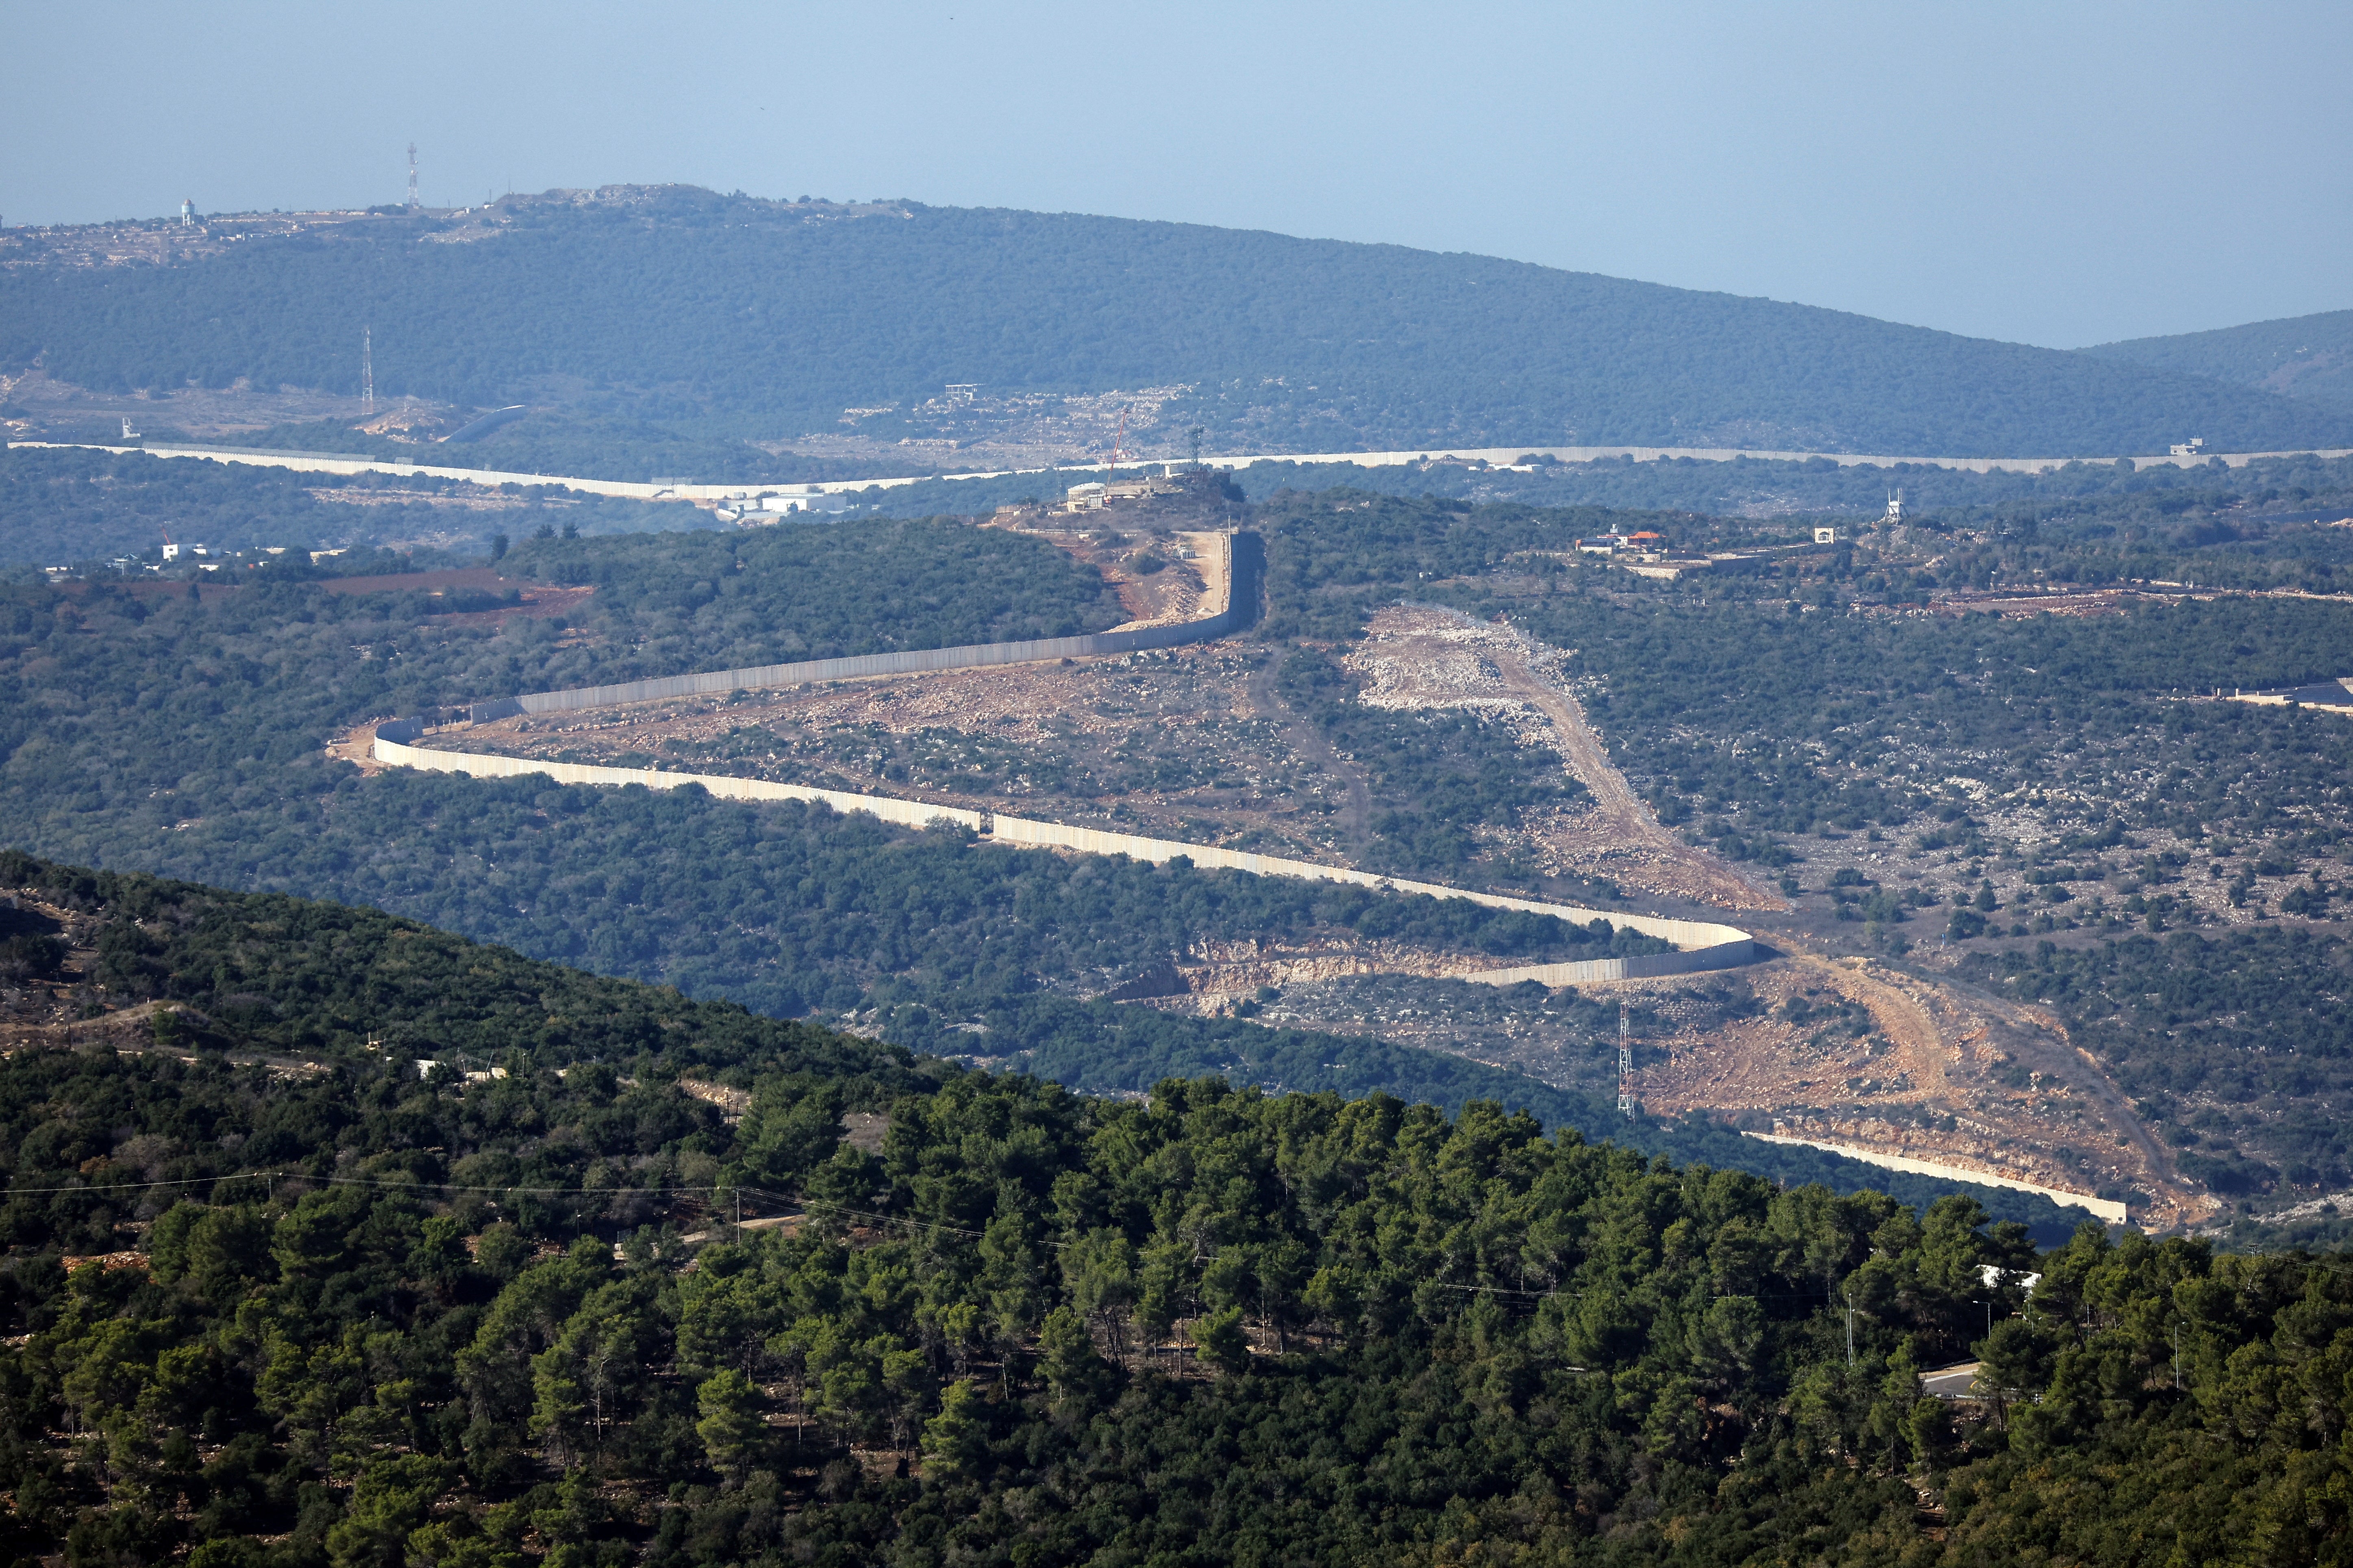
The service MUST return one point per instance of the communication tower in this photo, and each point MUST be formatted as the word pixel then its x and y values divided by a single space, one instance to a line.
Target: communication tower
pixel 367 373
pixel 413 202
pixel 1895 508
pixel 1625 1064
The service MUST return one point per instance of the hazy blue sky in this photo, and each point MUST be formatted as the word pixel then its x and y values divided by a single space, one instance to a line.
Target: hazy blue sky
pixel 2059 175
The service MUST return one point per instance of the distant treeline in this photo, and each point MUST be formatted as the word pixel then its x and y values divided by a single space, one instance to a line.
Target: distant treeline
pixel 678 312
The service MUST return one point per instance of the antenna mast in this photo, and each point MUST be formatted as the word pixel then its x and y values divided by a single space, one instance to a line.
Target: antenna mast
pixel 367 373
pixel 412 203
pixel 1625 1064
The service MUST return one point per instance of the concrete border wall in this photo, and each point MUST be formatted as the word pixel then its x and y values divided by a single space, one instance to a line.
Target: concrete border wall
pixel 1704 945
pixel 1244 565
pixel 2107 1209
pixel 1700 944
pixel 327 463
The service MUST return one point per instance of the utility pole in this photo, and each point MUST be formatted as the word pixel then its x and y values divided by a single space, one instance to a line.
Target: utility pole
pixel 1850 1328
pixel 2176 1357
pixel 1625 1063
pixel 367 373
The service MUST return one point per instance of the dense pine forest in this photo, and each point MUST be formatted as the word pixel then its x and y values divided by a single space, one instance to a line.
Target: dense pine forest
pixel 333 1239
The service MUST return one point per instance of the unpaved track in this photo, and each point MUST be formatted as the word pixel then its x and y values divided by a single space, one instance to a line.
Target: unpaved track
pixel 1900 1016
pixel 1622 815
pixel 1952 1049
pixel 1613 797
pixel 2041 1043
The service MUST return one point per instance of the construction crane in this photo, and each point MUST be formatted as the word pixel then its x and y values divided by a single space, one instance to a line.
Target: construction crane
pixel 1119 442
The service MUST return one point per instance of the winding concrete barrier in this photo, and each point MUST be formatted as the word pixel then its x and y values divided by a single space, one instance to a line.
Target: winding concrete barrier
pixel 1244 566
pixel 354 463
pixel 2108 1209
pixel 1702 945
pixel 1699 945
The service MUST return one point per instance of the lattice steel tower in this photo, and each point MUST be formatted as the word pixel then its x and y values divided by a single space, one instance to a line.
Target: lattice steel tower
pixel 1625 1064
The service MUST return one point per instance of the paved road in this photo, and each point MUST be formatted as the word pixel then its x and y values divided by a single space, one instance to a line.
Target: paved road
pixel 1951 1382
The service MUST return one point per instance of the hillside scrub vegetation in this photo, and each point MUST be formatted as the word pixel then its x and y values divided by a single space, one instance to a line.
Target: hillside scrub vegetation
pixel 1771 716
pixel 1768 701
pixel 772 595
pixel 190 743
pixel 1435 777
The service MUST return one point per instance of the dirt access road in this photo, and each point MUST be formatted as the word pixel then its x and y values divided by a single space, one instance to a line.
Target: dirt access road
pixel 1934 1069
pixel 1941 1070
pixel 1417 657
pixel 1622 819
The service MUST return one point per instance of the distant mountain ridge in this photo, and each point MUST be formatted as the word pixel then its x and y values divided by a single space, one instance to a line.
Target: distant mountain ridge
pixel 2301 356
pixel 752 320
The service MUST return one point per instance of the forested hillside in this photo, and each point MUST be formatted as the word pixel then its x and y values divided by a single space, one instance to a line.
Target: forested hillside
pixel 2301 356
pixel 275 1299
pixel 144 730
pixel 754 320
pixel 188 739
pixel 940 942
